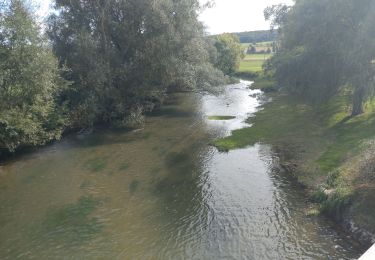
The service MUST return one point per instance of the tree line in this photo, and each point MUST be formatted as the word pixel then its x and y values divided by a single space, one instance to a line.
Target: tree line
pixel 257 36
pixel 325 47
pixel 100 62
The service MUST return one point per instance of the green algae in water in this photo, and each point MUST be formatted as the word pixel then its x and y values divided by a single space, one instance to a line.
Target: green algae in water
pixel 72 223
pixel 124 166
pixel 176 159
pixel 133 186
pixel 86 184
pixel 145 136
pixel 96 165
pixel 221 118
pixel 155 171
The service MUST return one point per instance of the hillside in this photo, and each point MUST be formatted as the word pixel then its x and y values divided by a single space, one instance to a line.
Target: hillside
pixel 257 36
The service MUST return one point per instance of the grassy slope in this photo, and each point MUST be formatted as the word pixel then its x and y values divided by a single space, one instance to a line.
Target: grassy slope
pixel 253 62
pixel 323 148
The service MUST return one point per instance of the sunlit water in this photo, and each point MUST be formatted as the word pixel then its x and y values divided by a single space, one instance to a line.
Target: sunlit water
pixel 162 193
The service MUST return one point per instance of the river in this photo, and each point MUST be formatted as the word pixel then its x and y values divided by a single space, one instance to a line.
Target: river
pixel 162 193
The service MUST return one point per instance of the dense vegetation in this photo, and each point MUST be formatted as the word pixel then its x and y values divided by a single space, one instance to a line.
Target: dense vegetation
pixel 30 81
pixel 336 51
pixel 124 55
pixel 103 62
pixel 230 52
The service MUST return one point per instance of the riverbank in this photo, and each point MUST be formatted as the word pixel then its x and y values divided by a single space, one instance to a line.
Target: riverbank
pixel 330 154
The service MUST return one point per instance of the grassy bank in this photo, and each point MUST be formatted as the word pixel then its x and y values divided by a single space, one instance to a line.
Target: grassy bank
pixel 328 152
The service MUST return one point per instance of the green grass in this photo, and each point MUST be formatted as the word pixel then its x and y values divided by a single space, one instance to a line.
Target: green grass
pixel 280 121
pixel 250 66
pixel 253 62
pixel 221 117
pixel 257 56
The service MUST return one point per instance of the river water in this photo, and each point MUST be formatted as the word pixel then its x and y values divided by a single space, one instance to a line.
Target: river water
pixel 162 193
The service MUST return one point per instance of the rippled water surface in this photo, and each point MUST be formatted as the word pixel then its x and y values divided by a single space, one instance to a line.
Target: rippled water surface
pixel 162 193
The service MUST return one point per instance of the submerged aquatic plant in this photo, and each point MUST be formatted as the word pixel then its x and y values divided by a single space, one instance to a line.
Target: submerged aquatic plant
pixel 72 223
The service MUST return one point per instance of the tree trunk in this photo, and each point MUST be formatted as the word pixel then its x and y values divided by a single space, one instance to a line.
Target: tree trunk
pixel 358 97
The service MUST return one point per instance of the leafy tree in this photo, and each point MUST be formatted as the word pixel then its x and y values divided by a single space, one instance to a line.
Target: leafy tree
pixel 325 45
pixel 251 49
pixel 124 56
pixel 230 52
pixel 29 81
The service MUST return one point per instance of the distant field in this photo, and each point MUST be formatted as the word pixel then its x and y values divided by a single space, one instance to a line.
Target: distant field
pixel 260 46
pixel 257 56
pixel 253 62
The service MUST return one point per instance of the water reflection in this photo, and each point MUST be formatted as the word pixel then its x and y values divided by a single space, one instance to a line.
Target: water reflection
pixel 162 193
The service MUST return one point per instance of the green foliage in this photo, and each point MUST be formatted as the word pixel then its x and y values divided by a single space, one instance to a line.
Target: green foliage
pixel 29 81
pixel 257 36
pixel 336 205
pixel 325 45
pixel 124 56
pixel 319 196
pixel 121 58
pixel 229 52
pixel 332 178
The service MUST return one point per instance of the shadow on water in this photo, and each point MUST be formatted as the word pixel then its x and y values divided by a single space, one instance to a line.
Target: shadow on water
pixel 110 137
pixel 172 112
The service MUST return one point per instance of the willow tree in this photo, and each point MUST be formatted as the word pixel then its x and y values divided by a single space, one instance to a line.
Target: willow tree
pixel 123 56
pixel 29 80
pixel 230 52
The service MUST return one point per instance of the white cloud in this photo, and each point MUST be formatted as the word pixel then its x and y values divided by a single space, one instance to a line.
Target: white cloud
pixel 237 15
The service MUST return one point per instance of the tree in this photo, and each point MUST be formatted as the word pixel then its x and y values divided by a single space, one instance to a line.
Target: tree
pixel 124 56
pixel 29 81
pixel 230 52
pixel 326 45
pixel 251 49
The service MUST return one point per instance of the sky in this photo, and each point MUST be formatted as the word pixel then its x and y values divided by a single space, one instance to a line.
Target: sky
pixel 237 15
pixel 225 16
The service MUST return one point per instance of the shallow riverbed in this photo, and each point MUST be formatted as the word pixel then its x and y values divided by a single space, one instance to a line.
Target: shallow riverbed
pixel 162 193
